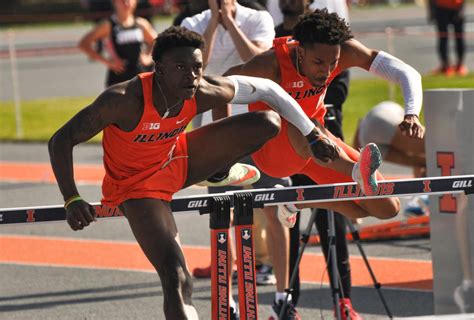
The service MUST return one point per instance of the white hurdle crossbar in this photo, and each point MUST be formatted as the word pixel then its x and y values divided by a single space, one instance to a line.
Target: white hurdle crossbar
pixel 267 197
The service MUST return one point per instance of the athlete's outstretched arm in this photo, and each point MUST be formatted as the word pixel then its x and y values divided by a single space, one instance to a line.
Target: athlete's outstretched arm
pixel 245 90
pixel 384 65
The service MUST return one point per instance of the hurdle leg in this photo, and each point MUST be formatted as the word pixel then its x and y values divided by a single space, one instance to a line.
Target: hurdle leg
pixel 332 262
pixel 243 220
pixel 220 262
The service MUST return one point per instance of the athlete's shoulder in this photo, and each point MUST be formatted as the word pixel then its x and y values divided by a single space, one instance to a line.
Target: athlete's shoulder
pixel 124 95
pixel 214 88
pixel 266 62
pixel 213 84
pixel 121 103
pixel 264 65
pixel 355 54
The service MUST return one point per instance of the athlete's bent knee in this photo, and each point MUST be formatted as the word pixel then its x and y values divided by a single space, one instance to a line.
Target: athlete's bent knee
pixel 392 209
pixel 270 122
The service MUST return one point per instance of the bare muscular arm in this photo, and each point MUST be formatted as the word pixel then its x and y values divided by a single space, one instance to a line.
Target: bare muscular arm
pixel 355 54
pixel 214 92
pixel 105 110
pixel 117 105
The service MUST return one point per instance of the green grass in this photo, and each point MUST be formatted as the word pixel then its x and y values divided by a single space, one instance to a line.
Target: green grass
pixel 41 118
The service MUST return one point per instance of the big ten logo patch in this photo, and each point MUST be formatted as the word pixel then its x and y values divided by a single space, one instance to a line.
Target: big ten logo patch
pixel 445 161
pixel 296 84
pixel 151 126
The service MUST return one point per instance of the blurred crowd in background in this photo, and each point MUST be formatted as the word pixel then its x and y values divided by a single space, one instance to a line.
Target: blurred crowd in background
pixel 25 11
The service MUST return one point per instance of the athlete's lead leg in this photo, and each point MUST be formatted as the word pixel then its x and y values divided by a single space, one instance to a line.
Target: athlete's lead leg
pixel 222 143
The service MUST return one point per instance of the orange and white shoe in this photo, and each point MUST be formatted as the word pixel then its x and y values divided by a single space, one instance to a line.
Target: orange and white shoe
pixel 240 175
pixel 347 311
pixel 364 171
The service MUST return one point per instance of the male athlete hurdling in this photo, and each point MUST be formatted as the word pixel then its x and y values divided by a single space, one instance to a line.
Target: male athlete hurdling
pixel 321 47
pixel 148 156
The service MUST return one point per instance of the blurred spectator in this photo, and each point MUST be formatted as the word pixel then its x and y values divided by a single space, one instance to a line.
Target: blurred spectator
pixel 291 10
pixel 380 125
pixel 189 8
pixel 233 34
pixel 129 41
pixel 98 10
pixel 445 13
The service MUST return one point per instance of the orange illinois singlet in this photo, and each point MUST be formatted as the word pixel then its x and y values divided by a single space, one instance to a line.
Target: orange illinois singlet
pixel 151 160
pixel 277 157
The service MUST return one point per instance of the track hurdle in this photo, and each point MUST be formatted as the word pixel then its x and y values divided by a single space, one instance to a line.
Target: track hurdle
pixel 243 215
pixel 268 197
pixel 220 253
pixel 218 205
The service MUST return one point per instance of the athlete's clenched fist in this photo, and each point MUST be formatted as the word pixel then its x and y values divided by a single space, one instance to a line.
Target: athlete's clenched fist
pixel 80 214
pixel 323 148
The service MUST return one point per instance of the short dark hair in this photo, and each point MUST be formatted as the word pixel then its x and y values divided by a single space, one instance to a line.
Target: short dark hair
pixel 320 26
pixel 174 37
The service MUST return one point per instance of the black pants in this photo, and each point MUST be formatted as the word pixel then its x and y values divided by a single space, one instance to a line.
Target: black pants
pixel 445 17
pixel 342 251
pixel 336 96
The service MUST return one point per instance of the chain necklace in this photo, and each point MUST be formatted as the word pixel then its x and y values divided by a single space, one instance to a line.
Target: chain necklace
pixel 167 112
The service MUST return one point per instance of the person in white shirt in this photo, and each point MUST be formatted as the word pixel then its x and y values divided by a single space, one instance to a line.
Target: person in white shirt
pixel 233 34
